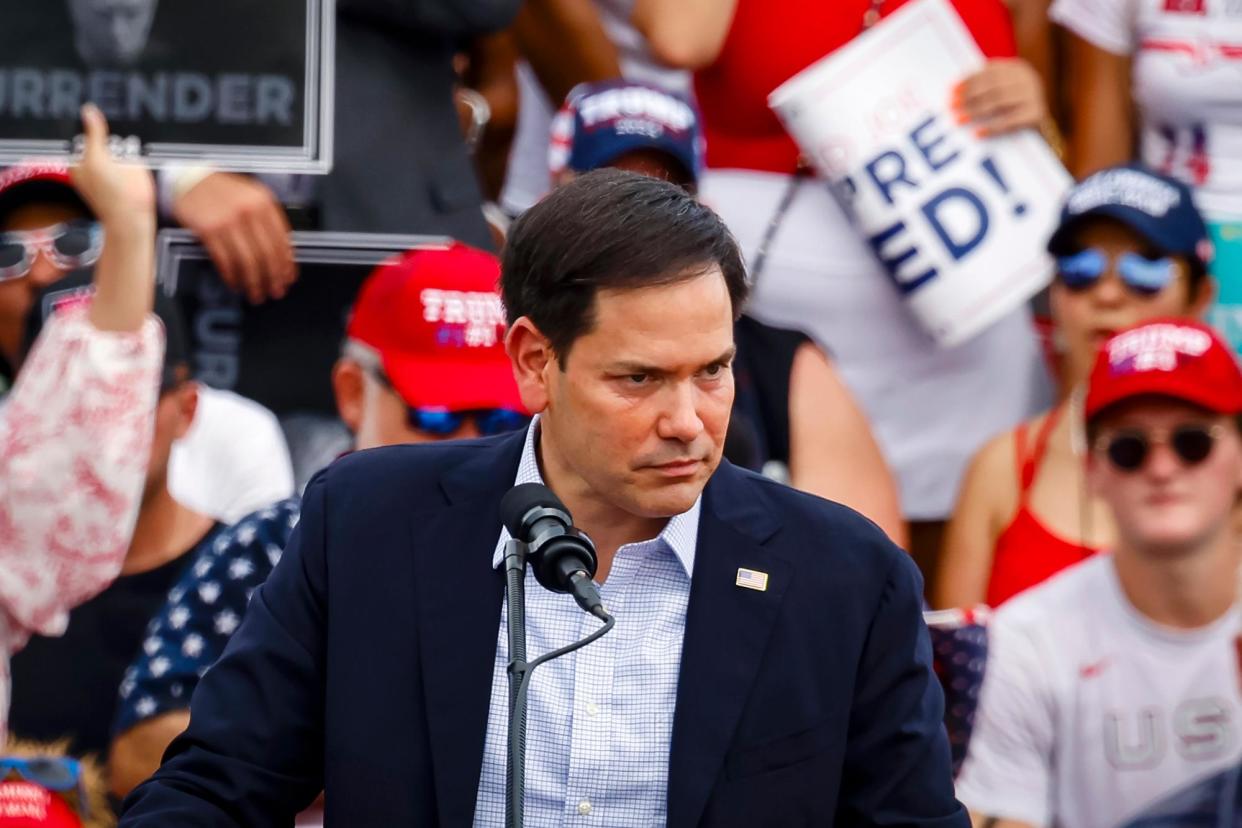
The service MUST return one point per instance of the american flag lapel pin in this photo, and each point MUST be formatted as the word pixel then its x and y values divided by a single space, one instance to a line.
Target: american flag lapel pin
pixel 752 579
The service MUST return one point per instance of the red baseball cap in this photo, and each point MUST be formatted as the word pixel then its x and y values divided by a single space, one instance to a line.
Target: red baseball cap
pixel 27 805
pixel 38 180
pixel 437 321
pixel 1177 358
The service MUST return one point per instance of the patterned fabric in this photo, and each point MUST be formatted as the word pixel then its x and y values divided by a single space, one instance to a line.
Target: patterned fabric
pixel 204 608
pixel 959 656
pixel 600 721
pixel 75 435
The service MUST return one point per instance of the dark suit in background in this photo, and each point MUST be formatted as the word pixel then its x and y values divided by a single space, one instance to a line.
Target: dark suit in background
pixel 365 664
pixel 401 164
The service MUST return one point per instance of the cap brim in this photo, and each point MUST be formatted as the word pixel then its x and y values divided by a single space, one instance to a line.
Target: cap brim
pixel 633 143
pixel 1061 241
pixel 454 385
pixel 1190 390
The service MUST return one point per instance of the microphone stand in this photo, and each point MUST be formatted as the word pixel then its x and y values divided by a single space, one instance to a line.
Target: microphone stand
pixel 520 672
pixel 515 598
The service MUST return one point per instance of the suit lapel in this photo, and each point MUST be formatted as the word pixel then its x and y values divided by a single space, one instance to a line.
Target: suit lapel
pixel 459 599
pixel 727 629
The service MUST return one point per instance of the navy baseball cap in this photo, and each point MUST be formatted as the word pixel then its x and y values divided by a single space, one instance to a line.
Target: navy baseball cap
pixel 602 121
pixel 1159 208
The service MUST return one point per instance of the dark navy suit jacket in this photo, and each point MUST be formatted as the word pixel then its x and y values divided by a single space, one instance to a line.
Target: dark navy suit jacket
pixel 364 664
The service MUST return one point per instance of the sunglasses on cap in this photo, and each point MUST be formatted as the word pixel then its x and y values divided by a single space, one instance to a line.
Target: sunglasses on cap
pixel 1129 449
pixel 69 245
pixel 60 774
pixel 1141 275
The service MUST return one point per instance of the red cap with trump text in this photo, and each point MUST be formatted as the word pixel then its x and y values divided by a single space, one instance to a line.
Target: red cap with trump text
pixel 1174 358
pixel 437 321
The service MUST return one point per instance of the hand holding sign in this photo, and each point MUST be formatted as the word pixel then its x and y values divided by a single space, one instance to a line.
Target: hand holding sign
pixel 1006 95
pixel 958 220
pixel 245 230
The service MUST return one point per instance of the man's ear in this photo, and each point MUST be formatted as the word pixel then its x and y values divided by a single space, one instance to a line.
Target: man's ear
pixel 349 387
pixel 532 358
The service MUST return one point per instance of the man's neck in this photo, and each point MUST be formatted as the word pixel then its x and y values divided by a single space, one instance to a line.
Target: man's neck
pixel 165 530
pixel 1185 591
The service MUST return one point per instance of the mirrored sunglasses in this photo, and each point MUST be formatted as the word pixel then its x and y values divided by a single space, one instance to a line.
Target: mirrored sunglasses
pixel 1128 450
pixel 438 422
pixel 1143 276
pixel 69 245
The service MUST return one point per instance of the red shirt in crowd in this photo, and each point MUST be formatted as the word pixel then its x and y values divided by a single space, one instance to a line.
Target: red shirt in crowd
pixel 769 42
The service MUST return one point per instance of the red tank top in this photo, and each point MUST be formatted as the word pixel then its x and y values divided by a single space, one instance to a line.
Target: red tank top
pixel 769 42
pixel 1027 552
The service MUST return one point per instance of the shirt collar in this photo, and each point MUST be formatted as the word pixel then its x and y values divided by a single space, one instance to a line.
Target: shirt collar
pixel 680 534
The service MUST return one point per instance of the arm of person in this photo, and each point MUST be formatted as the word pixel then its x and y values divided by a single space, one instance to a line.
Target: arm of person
pixel 687 34
pixel 137 753
pixel 492 73
pixel 241 224
pixel 1036 45
pixel 565 44
pixel 832 452
pixel 1101 39
pixel 897 769
pixel 187 636
pixel 252 755
pixel 1007 775
pixel 75 433
pixel 988 498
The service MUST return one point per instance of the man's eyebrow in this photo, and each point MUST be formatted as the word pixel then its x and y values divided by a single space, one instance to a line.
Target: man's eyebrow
pixel 628 367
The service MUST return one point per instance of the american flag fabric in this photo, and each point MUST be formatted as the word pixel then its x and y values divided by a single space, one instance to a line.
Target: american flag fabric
pixel 959 655
pixel 203 609
pixel 75 435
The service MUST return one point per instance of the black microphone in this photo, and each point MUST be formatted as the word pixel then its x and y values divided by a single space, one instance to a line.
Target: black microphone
pixel 562 556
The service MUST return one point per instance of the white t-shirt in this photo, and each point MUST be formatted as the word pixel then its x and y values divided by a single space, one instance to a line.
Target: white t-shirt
pixel 1090 712
pixel 1187 82
pixel 233 461
pixel 527 178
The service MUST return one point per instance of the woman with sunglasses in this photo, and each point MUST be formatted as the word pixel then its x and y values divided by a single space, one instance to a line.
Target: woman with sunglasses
pixel 1113 685
pixel 76 430
pixel 1131 246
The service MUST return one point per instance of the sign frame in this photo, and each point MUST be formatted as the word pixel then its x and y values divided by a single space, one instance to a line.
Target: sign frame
pixel 313 156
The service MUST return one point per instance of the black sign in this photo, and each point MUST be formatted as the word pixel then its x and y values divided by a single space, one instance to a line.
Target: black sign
pixel 245 85
pixel 279 353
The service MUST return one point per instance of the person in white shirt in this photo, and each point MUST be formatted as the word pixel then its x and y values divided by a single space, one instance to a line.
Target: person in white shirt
pixel 1115 683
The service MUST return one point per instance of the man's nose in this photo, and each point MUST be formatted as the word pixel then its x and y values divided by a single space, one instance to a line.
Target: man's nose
pixel 680 421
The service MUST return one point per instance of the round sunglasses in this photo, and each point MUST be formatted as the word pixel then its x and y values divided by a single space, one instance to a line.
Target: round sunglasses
pixel 1141 275
pixel 1129 449
pixel 69 245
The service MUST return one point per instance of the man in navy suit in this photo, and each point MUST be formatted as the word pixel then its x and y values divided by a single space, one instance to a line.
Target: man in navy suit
pixel 769 664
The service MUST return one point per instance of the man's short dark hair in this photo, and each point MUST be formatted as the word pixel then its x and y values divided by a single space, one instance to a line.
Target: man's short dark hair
pixel 609 230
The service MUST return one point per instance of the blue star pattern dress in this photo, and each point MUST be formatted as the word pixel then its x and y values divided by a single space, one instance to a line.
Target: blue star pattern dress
pixel 203 610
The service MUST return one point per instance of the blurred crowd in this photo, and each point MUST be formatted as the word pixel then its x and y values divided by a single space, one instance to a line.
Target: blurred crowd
pixel 1066 479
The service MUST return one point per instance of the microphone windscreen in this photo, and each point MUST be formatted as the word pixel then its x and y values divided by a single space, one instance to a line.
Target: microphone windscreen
pixel 520 500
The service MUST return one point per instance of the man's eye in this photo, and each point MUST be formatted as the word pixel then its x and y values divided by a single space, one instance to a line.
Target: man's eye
pixel 638 379
pixel 714 370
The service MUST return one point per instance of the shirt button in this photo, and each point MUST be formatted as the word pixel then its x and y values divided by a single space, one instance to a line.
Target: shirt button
pixel 584 807
pixel 592 709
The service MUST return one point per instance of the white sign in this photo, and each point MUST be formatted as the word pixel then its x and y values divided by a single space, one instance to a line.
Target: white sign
pixel 959 222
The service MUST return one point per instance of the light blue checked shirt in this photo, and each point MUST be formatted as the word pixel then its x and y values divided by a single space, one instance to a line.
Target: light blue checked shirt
pixel 600 720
